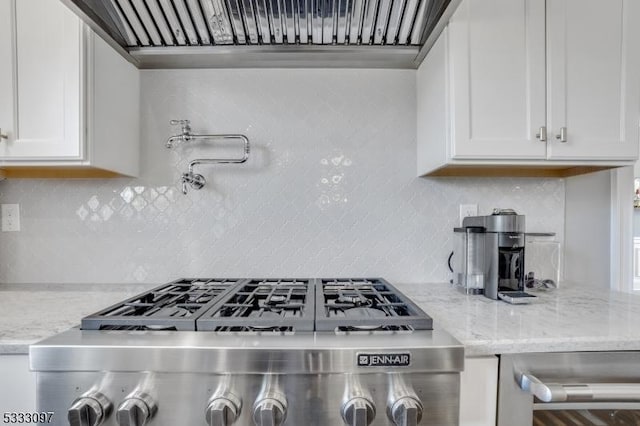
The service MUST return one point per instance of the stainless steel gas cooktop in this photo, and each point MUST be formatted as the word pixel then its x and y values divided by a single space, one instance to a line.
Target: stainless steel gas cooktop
pixel 285 305
pixel 320 352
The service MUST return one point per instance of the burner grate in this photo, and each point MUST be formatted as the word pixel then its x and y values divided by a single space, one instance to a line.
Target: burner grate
pixel 365 304
pixel 173 306
pixel 278 305
pixel 266 306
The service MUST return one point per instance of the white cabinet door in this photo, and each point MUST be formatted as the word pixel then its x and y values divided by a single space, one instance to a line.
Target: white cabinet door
pixel 479 391
pixel 593 52
pixel 47 88
pixel 6 70
pixel 497 64
pixel 17 385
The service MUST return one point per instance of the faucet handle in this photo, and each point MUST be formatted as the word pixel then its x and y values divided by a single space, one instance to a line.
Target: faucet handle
pixel 185 188
pixel 185 124
pixel 196 181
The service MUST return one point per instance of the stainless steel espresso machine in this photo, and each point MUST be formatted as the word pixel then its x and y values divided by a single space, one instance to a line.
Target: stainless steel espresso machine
pixel 490 254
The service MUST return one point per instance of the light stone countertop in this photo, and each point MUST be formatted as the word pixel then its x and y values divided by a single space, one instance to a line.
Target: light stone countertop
pixel 30 312
pixel 572 318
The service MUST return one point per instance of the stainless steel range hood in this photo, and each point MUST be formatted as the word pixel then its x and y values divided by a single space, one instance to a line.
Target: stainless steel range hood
pixel 268 33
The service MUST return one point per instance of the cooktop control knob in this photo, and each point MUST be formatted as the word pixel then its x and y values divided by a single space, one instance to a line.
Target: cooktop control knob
pixel 91 409
pixel 136 410
pixel 270 409
pixel 405 411
pixel 358 411
pixel 357 406
pixel 223 409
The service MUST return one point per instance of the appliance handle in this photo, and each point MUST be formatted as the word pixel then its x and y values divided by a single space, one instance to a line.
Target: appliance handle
pixel 578 392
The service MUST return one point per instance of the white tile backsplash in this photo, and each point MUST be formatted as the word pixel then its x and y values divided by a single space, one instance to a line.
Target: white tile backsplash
pixel 329 189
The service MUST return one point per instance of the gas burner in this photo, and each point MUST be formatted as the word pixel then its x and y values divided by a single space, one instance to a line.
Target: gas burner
pixel 366 313
pixel 362 312
pixel 352 297
pixel 365 304
pixel 269 304
pixel 267 319
pixel 173 306
pixel 275 299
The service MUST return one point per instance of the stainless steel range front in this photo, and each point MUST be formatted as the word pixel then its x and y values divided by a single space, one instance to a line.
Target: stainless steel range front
pixel 253 352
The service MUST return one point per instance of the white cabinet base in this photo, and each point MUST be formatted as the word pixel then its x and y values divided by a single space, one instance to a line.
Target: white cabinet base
pixel 17 384
pixel 479 391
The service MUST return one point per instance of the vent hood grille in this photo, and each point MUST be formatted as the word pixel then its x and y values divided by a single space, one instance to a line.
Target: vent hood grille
pixel 175 33
pixel 329 22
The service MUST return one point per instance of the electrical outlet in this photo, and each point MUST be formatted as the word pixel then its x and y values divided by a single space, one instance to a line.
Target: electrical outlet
pixel 468 210
pixel 10 217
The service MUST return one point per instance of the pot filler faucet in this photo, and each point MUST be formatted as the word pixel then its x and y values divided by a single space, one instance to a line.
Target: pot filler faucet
pixel 190 178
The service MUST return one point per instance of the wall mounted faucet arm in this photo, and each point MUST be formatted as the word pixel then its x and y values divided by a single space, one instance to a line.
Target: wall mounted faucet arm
pixel 195 180
pixel 244 158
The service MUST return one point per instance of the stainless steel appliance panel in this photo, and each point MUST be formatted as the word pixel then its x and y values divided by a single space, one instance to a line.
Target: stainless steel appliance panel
pixel 602 387
pixel 311 399
pixel 267 33
pixel 504 256
pixel 190 351
pixel 253 357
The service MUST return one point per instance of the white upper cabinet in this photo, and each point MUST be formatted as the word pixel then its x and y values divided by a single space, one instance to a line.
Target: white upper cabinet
pixel 532 87
pixel 497 70
pixel 593 72
pixel 6 72
pixel 53 80
pixel 47 86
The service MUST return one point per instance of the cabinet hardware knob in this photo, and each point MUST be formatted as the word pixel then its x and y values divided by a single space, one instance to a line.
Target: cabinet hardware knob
pixel 562 136
pixel 542 134
pixel 3 135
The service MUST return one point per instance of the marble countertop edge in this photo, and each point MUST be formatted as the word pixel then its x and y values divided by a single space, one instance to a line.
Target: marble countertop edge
pixel 572 318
